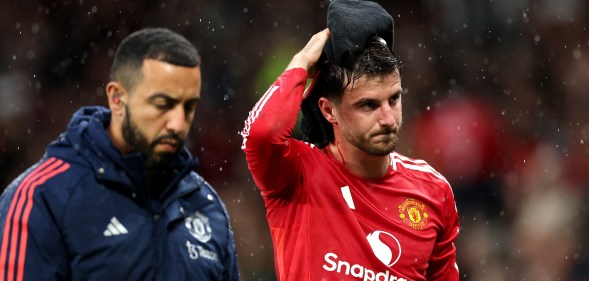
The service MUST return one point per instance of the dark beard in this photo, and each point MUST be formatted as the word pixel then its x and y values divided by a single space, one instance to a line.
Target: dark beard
pixel 137 142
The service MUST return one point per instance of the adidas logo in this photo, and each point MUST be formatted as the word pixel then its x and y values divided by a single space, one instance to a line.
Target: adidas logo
pixel 115 227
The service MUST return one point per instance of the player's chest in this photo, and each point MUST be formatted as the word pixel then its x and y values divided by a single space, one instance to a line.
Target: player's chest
pixel 394 221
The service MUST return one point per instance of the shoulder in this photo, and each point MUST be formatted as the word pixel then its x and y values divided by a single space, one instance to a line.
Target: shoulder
pixel 303 148
pixel 205 190
pixel 50 174
pixel 420 169
pixel 48 185
pixel 49 171
pixel 208 202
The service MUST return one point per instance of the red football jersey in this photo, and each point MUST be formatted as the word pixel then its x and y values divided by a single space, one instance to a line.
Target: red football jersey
pixel 329 224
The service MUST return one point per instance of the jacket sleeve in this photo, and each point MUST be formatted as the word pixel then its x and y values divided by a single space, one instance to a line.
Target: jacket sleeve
pixel 230 263
pixel 31 244
pixel 442 263
pixel 229 260
pixel 267 141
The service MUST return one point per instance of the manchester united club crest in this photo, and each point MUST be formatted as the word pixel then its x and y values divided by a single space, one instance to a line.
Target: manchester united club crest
pixel 198 225
pixel 413 213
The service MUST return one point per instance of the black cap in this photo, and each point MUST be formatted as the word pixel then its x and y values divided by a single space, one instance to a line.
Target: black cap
pixel 353 24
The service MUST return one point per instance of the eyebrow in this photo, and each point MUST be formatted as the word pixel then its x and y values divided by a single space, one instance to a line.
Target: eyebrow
pixel 168 97
pixel 363 100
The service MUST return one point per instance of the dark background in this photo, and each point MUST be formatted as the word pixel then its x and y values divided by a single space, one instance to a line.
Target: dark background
pixel 496 100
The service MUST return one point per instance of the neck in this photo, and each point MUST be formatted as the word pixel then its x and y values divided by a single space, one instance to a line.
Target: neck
pixel 359 162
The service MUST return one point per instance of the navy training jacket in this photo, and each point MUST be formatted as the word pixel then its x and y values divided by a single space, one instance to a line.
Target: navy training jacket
pixel 83 213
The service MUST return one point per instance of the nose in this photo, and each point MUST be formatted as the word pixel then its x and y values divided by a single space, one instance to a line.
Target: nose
pixel 386 116
pixel 178 121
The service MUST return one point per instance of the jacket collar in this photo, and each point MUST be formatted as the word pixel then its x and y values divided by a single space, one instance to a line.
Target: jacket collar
pixel 87 142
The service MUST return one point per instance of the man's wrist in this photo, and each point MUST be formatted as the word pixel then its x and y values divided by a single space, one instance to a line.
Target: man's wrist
pixel 299 61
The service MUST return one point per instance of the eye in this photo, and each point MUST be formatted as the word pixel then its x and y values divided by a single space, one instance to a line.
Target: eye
pixel 163 105
pixel 190 106
pixel 368 105
pixel 395 98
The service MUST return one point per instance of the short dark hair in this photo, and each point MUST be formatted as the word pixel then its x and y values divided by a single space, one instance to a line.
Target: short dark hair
pixel 374 61
pixel 150 43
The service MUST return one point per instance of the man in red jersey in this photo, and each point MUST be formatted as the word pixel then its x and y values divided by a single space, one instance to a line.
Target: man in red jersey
pixel 353 209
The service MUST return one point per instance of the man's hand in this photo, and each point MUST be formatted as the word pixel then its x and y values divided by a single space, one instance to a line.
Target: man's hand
pixel 307 58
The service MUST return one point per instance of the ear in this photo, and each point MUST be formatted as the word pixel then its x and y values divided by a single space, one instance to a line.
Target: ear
pixel 117 97
pixel 327 109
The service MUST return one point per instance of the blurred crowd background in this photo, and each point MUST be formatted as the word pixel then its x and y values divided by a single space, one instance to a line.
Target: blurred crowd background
pixel 496 99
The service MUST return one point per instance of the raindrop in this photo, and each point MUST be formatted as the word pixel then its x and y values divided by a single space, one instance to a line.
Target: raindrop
pixel 35 28
pixel 577 53
pixel 31 54
pixel 478 40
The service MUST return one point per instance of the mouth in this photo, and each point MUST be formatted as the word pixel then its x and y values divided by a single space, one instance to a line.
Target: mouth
pixel 168 144
pixel 384 137
pixel 385 133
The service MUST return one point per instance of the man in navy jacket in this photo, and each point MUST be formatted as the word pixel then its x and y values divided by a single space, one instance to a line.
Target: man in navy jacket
pixel 115 197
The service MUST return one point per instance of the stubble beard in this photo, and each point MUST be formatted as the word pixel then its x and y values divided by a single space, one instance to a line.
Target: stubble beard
pixel 367 144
